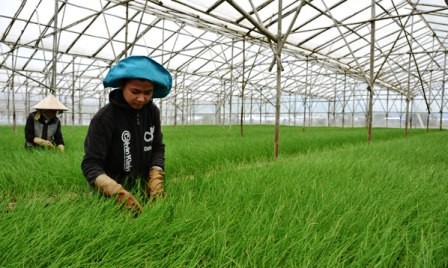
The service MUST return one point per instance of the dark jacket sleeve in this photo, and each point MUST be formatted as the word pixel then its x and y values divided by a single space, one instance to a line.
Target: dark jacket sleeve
pixel 58 138
pixel 29 130
pixel 158 153
pixel 96 144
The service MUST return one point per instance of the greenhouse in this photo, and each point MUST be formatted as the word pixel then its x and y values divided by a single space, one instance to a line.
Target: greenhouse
pixel 332 55
pixel 298 133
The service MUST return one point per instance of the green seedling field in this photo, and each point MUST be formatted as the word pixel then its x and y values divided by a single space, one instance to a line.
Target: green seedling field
pixel 329 200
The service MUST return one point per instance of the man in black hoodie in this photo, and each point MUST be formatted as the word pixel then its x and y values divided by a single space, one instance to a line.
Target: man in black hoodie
pixel 124 144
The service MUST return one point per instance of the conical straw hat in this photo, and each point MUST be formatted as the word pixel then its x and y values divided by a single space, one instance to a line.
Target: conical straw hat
pixel 50 103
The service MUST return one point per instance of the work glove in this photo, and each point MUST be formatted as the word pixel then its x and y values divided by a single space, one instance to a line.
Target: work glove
pixel 61 148
pixel 154 188
pixel 43 143
pixel 109 187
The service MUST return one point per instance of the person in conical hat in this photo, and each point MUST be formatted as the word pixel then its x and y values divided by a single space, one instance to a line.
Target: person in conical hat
pixel 124 146
pixel 43 127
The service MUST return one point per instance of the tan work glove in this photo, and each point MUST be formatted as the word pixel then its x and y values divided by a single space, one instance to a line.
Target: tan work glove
pixel 154 188
pixel 43 143
pixel 61 148
pixel 109 187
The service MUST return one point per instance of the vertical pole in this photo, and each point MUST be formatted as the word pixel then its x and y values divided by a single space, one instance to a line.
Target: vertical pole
pixel 55 47
pixel 185 111
pixel 344 99
pixel 163 53
pixel 353 107
pixel 73 91
pixel 65 114
pixel 243 85
pixel 411 121
pixel 429 101
pixel 126 30
pixel 222 110
pixel 189 107
pixel 295 109
pixel 79 104
pixel 289 108
pixel 305 95
pixel 237 112
pixel 408 93
pixel 29 101
pixel 442 102
pixel 176 91
pixel 230 105
pixel 251 107
pixel 231 83
pixel 366 114
pixel 372 65
pixel 401 110
pixel 310 113
pixel 14 119
pixel 27 96
pixel 387 108
pixel 261 105
pixel 277 111
pixel 8 106
pixel 193 110
pixel 183 102
pixel 334 106
pixel 279 80
pixel 408 98
pixel 430 89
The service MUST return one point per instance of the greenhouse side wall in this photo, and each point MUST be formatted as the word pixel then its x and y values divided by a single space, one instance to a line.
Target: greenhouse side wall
pixel 208 114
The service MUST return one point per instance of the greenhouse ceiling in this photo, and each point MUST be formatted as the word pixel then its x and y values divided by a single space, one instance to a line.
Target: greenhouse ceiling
pixel 218 48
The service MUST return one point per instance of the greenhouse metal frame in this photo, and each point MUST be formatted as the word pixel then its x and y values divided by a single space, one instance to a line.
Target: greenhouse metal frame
pixel 327 63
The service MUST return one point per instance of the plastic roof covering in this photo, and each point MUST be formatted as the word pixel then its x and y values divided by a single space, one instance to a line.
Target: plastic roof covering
pixel 209 46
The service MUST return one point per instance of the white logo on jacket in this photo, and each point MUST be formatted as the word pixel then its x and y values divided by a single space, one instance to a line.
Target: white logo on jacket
pixel 126 138
pixel 149 137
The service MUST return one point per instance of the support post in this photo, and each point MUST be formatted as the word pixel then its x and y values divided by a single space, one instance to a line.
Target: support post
pixel 79 104
pixel 14 117
pixel 279 81
pixel 243 85
pixel 73 91
pixel 387 108
pixel 231 83
pixel 408 92
pixel 126 30
pixel 344 100
pixel 55 47
pixel 442 101
pixel 429 101
pixel 175 99
pixel 27 97
pixel 305 95
pixel 372 65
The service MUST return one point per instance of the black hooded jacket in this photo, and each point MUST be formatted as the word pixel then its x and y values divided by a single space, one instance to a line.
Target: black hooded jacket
pixel 123 142
pixel 37 126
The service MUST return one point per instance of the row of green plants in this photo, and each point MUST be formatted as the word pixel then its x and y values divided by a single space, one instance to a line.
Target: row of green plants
pixel 330 199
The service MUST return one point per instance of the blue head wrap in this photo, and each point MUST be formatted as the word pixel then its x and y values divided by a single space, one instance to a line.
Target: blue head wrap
pixel 140 67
